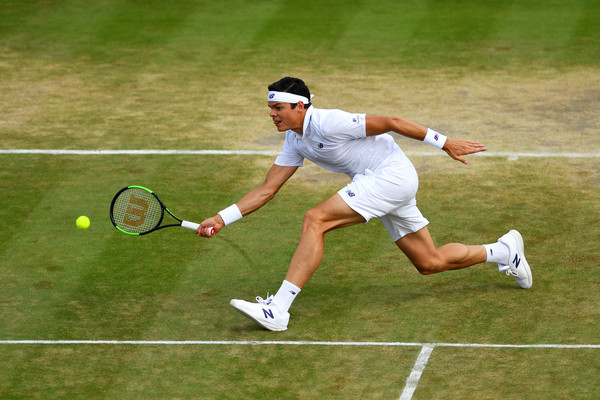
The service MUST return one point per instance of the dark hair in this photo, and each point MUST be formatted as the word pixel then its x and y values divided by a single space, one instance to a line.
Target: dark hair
pixel 292 85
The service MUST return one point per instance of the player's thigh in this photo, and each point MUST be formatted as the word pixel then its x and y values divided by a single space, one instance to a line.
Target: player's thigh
pixel 333 213
pixel 419 248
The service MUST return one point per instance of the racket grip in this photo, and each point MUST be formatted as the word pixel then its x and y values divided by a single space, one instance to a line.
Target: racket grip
pixel 194 226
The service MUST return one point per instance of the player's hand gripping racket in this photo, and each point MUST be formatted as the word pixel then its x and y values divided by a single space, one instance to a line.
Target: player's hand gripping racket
pixel 136 210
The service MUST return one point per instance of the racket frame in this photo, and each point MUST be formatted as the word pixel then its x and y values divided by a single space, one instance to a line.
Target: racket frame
pixel 185 224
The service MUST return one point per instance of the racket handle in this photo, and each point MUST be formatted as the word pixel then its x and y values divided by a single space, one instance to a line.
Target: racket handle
pixel 194 226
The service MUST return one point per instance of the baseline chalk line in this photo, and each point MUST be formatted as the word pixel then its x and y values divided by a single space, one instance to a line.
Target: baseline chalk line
pixel 291 343
pixel 507 154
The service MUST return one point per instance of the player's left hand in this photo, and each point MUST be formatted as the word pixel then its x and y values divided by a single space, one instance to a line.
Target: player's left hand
pixel 458 147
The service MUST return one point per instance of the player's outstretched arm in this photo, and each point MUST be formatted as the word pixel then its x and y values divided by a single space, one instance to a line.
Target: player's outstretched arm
pixel 456 148
pixel 255 199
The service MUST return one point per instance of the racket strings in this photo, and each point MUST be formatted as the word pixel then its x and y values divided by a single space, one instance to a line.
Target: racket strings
pixel 137 211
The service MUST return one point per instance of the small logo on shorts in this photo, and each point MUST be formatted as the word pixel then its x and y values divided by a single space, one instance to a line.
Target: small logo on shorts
pixel 350 193
pixel 321 145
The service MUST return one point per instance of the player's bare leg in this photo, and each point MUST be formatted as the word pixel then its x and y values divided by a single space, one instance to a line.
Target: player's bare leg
pixel 272 312
pixel 331 214
pixel 509 253
pixel 428 259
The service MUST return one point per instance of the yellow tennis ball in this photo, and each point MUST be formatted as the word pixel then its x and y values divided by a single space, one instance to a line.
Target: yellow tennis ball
pixel 83 222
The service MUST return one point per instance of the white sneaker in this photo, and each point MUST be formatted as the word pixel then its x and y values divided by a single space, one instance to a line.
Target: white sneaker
pixel 517 264
pixel 262 313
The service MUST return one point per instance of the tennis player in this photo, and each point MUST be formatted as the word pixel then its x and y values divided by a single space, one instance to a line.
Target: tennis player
pixel 384 185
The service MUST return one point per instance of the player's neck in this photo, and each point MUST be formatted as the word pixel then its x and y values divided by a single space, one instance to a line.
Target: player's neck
pixel 299 128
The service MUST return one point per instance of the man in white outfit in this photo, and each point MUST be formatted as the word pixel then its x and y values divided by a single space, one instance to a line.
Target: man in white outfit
pixel 384 185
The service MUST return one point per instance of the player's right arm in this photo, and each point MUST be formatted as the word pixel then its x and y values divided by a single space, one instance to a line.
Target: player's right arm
pixel 255 199
pixel 262 194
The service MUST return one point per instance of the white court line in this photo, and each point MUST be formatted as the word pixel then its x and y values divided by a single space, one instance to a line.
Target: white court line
pixel 59 152
pixel 415 375
pixel 510 155
pixel 293 343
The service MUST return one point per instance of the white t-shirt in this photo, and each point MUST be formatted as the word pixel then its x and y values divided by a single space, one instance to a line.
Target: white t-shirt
pixel 337 140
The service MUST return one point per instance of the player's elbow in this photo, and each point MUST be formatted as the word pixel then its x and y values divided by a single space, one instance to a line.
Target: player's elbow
pixel 268 192
pixel 269 196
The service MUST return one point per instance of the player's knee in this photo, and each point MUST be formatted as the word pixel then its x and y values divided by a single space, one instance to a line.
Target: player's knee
pixel 312 219
pixel 429 266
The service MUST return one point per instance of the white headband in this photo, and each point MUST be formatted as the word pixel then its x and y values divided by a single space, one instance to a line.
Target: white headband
pixel 286 97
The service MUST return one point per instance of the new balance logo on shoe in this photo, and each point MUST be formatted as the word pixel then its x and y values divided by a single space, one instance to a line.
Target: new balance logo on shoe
pixel 516 261
pixel 261 313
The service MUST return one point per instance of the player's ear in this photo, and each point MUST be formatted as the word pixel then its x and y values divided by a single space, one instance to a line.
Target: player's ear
pixel 300 106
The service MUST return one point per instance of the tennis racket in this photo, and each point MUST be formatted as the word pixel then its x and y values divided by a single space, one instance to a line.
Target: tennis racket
pixel 136 210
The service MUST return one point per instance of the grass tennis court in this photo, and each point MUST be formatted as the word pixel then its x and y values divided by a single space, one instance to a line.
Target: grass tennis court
pixel 521 77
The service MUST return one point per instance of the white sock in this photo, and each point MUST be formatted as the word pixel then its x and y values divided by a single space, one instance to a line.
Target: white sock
pixel 285 296
pixel 497 253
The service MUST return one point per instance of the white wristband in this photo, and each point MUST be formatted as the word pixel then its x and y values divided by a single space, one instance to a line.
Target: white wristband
pixel 230 214
pixel 435 139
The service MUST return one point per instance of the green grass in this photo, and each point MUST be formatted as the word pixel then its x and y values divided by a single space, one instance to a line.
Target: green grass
pixel 413 34
pixel 520 76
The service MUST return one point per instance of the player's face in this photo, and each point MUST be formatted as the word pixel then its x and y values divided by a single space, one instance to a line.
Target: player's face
pixel 284 117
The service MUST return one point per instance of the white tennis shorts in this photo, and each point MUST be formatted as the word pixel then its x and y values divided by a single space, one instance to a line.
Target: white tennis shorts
pixel 388 193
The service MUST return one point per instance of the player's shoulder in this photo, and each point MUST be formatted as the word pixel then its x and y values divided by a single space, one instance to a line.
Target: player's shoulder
pixel 336 119
pixel 327 112
pixel 332 115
